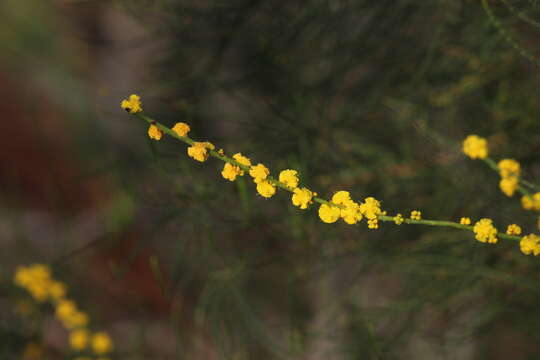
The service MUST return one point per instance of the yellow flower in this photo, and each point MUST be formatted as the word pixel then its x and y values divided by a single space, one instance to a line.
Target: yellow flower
pixel 398 219
pixel 154 132
pixel 416 215
pixel 475 147
pixel 65 309
pixel 509 185
pixel 351 213
pixel 513 229
pixel 508 168
pixel 465 221
pixel 373 223
pixel 302 197
pixel 230 172
pixel 289 178
pixel 242 159
pixel 329 214
pixel 370 208
pixel 132 105
pixel 266 189
pixel 485 231
pixel 78 339
pixel 57 290
pixel 101 343
pixel 341 197
pixel 530 244
pixel 199 150
pixel 181 129
pixel 36 279
pixel 259 172
pixel 78 319
pixel 531 203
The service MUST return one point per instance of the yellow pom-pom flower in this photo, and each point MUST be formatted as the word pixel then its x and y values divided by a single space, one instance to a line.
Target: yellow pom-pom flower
pixel 65 309
pixel 416 215
pixel 132 105
pixel 485 231
pixel 199 150
pixel 509 168
pixel 259 172
pixel 530 244
pixel 371 208
pixel 351 213
pixel 302 197
pixel 230 172
pixel 101 343
pixel 373 224
pixel 57 290
pixel 266 189
pixel 509 185
pixel 465 221
pixel 398 219
pixel 475 147
pixel 181 129
pixel 242 159
pixel 531 203
pixel 289 177
pixel 78 319
pixel 79 339
pixel 329 214
pixel 341 197
pixel 154 132
pixel 513 229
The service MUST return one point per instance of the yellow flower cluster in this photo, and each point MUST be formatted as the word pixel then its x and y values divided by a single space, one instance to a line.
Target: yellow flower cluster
pixel 531 202
pixel 302 197
pixel 199 150
pixel 416 215
pixel 513 229
pixel 509 169
pixel 475 147
pixel 485 231
pixel 530 244
pixel 132 105
pixel 37 280
pixel 465 221
pixel 398 219
pixel 181 129
pixel 154 132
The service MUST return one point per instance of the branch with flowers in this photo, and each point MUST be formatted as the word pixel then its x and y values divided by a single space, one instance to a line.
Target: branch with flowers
pixel 341 205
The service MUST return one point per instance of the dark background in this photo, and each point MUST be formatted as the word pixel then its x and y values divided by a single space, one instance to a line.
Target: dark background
pixel 373 97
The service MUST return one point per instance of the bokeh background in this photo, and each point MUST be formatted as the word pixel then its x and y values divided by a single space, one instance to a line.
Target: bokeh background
pixel 373 97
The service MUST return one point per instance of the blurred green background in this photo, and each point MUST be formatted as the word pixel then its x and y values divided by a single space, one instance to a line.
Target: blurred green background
pixel 373 97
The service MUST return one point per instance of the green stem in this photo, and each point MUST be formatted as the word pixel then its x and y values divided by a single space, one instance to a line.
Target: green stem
pixel 213 153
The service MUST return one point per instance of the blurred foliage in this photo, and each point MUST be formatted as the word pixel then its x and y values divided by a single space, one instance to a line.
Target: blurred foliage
pixel 373 97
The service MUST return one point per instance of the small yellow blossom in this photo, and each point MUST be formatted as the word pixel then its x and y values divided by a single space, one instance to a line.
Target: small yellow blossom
pixel 371 208
pixel 259 172
pixel 465 221
pixel 78 339
pixel 509 185
pixel 398 219
pixel 302 197
pixel 509 168
pixel 329 214
pixel 513 229
pixel 101 343
pixel 36 279
pixel 341 197
pixel 154 132
pixel 289 178
pixel 530 244
pixel 531 203
pixel 57 290
pixel 78 319
pixel 351 213
pixel 199 150
pixel 416 215
pixel 373 223
pixel 475 147
pixel 485 231
pixel 132 105
pixel 266 189
pixel 230 172
pixel 242 159
pixel 221 152
pixel 65 309
pixel 181 129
